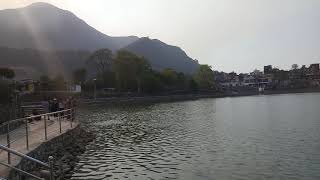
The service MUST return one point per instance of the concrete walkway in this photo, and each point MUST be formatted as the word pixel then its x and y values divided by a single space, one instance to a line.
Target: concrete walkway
pixel 36 137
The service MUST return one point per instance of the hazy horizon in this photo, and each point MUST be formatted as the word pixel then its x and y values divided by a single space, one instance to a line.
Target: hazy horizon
pixel 229 35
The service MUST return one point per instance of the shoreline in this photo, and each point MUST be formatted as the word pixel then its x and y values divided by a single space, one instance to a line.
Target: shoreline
pixel 64 148
pixel 185 97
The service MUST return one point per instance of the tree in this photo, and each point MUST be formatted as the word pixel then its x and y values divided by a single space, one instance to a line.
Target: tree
pixel 7 73
pixel 107 79
pixel 193 86
pixel 181 80
pixel 143 70
pixel 204 77
pixel 102 59
pixel 130 68
pixel 152 83
pixel 169 77
pixel 79 75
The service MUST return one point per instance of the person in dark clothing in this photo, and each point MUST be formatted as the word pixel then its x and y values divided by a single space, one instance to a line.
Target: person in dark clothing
pixel 55 107
pixel 50 105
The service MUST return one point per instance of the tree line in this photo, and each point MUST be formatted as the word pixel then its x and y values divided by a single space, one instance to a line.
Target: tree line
pixel 125 71
pixel 128 72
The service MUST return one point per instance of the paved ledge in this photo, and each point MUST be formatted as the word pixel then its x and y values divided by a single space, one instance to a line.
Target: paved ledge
pixel 36 138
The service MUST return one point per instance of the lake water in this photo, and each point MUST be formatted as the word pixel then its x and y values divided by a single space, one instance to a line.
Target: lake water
pixel 257 137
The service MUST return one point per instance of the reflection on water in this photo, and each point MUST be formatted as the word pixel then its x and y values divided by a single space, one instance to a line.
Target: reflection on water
pixel 260 137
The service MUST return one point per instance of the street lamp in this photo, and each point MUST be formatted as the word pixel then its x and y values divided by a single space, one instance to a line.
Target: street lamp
pixel 95 89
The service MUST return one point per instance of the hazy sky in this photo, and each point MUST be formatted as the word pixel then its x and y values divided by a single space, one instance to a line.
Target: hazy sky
pixel 238 35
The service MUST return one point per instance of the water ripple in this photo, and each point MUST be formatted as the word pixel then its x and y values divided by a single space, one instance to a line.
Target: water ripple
pixel 204 139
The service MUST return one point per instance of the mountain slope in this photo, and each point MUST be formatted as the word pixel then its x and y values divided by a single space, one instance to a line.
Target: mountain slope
pixel 46 27
pixel 30 63
pixel 161 55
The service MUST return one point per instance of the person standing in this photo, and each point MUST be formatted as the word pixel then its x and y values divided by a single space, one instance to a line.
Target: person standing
pixel 55 107
pixel 45 106
pixel 61 107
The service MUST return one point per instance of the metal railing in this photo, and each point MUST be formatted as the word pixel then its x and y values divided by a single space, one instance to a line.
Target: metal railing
pixel 33 130
pixel 49 166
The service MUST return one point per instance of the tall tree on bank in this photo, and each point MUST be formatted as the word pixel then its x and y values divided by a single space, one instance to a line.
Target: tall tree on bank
pixel 7 73
pixel 102 60
pixel 204 77
pixel 143 70
pixel 79 76
pixel 169 77
pixel 130 68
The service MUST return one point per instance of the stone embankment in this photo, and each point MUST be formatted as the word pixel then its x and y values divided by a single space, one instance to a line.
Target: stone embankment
pixel 146 99
pixel 183 97
pixel 65 149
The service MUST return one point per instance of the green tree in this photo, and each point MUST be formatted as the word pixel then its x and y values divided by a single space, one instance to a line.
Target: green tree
pixel 79 75
pixel 182 81
pixel 193 86
pixel 152 83
pixel 204 77
pixel 143 71
pixel 7 73
pixel 102 59
pixel 169 77
pixel 107 79
pixel 130 70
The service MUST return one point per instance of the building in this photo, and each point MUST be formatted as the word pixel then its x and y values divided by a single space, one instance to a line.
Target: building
pixel 314 68
pixel 232 82
pixel 253 80
pixel 267 69
pixel 313 72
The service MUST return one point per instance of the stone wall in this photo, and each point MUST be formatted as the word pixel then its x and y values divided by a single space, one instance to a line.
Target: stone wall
pixel 65 149
pixel 146 99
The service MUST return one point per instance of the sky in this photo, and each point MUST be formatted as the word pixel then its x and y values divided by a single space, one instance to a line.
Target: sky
pixel 229 35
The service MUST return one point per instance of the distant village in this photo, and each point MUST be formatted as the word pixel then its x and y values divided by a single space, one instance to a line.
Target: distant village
pixel 272 78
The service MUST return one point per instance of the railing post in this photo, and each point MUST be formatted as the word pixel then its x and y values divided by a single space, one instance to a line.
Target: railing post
pixel 60 124
pixel 50 159
pixel 19 174
pixel 45 128
pixel 71 117
pixel 27 134
pixel 8 142
pixel 75 112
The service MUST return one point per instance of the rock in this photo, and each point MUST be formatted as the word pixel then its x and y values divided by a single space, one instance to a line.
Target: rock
pixel 44 174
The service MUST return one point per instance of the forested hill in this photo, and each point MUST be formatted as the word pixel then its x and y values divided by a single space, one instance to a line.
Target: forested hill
pixel 162 55
pixel 62 37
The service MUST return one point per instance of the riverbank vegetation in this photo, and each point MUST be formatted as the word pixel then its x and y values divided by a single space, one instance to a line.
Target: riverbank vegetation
pixel 109 73
pixel 128 72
